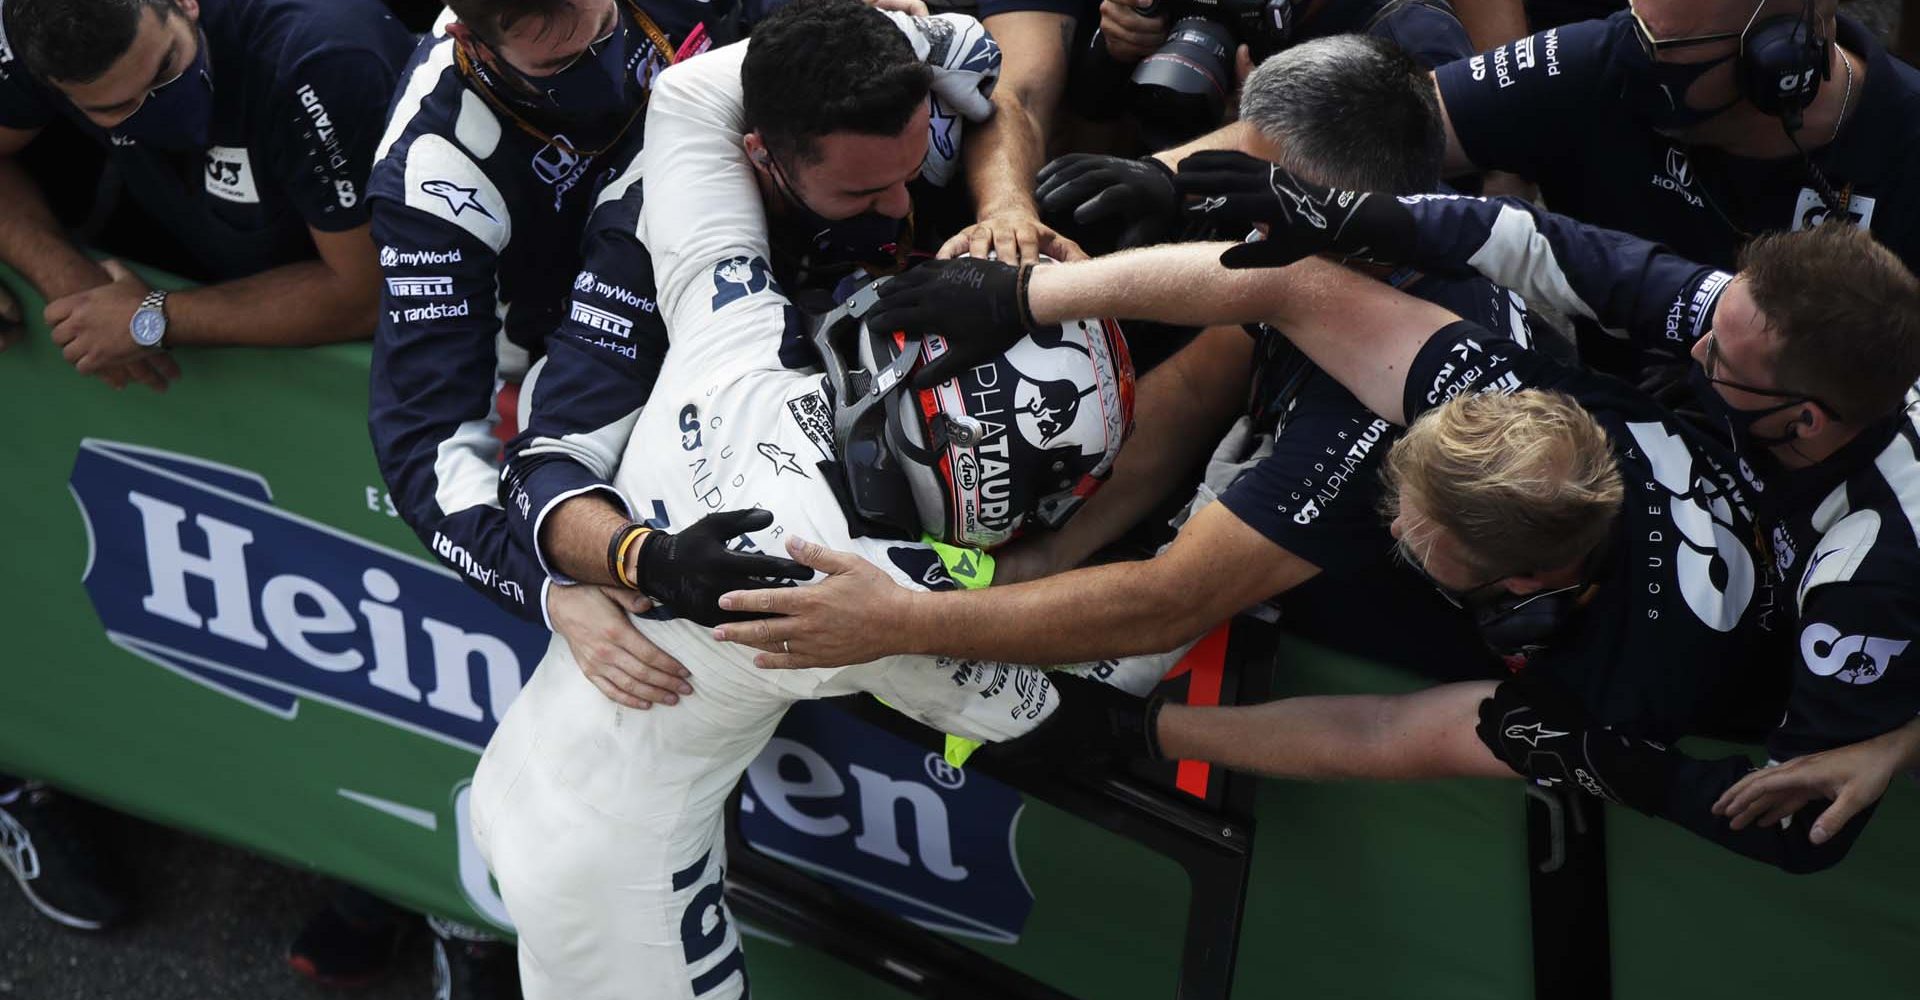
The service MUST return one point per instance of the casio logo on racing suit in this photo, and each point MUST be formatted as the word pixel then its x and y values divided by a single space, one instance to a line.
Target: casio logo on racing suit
pixel 432 287
pixel 458 198
pixel 738 277
pixel 1849 659
pixel 392 257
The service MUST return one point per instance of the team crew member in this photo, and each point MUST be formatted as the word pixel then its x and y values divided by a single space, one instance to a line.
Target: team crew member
pixel 501 136
pixel 1297 471
pixel 1139 199
pixel 846 112
pixel 1036 39
pixel 246 127
pixel 615 882
pixel 1806 357
pixel 1178 89
pixel 1664 121
pixel 508 120
pixel 1627 558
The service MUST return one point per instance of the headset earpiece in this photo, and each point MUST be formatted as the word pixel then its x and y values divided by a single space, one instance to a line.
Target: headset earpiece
pixel 1783 61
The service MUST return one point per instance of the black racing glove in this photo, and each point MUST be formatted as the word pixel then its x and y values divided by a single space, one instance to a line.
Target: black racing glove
pixel 1237 191
pixel 978 309
pixel 688 570
pixel 1544 734
pixel 1096 189
pixel 1094 723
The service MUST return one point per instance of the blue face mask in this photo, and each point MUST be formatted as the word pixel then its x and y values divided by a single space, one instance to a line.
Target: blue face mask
pixel 870 238
pixel 598 92
pixel 1739 423
pixel 178 114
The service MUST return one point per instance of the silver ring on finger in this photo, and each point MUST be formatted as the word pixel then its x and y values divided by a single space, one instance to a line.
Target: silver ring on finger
pixel 786 647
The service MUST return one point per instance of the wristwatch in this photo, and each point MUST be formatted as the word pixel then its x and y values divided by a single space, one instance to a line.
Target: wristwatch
pixel 150 320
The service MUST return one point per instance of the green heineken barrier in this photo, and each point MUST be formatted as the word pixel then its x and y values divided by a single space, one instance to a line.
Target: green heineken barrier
pixel 326 708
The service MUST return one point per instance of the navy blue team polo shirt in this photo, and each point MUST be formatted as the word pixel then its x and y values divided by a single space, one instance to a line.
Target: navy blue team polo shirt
pixel 1550 107
pixel 300 89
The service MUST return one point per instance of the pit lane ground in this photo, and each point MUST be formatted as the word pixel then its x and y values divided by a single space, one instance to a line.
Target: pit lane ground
pixel 212 923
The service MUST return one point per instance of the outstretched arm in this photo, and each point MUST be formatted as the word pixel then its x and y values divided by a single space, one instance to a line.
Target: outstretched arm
pixel 1216 567
pixel 1003 153
pixel 1426 734
pixel 1360 331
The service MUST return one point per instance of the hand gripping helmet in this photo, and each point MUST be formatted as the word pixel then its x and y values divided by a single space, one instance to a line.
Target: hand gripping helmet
pixel 1030 434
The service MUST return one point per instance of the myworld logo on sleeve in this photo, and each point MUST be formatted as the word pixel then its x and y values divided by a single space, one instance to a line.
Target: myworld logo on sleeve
pixel 193 568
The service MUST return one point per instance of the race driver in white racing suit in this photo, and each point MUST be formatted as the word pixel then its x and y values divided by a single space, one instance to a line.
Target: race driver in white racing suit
pixel 604 825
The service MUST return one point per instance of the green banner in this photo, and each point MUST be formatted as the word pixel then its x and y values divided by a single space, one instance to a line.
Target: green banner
pixel 215 621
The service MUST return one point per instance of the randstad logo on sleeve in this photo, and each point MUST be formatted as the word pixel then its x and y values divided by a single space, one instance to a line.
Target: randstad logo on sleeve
pixel 889 823
pixel 192 568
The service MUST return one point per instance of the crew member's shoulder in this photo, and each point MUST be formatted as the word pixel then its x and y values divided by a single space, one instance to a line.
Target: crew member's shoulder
pixel 284 38
pixel 1870 525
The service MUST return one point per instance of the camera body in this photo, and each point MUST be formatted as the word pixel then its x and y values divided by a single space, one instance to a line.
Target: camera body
pixel 1182 89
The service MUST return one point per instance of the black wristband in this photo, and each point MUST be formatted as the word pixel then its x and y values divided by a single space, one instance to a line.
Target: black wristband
pixel 1152 723
pixel 613 553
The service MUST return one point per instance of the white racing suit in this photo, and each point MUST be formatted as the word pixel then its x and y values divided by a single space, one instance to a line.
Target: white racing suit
pixel 603 825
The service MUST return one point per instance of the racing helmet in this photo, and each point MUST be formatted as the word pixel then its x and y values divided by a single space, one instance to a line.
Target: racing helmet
pixel 1029 434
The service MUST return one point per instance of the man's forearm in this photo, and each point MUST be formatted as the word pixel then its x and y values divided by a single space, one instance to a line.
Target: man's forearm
pixel 1426 734
pixel 1182 284
pixel 575 537
pixel 33 242
pixel 295 305
pixel 1362 332
pixel 1099 612
pixel 1233 135
pixel 1001 157
pixel 1003 154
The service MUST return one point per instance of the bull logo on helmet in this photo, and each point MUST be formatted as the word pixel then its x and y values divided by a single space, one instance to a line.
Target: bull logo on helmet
pixel 1046 410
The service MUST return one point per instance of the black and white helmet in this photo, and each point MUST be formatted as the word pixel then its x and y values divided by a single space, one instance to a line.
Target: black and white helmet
pixel 1030 434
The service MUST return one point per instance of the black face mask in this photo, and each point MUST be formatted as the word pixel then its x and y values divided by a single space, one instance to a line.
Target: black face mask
pixel 598 93
pixel 1739 423
pixel 1657 91
pixel 870 239
pixel 177 115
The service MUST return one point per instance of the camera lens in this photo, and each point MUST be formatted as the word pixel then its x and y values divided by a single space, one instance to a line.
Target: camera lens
pixel 1181 90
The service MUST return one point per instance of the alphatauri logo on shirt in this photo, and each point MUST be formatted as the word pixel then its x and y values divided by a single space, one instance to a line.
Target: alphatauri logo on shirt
pixel 230 175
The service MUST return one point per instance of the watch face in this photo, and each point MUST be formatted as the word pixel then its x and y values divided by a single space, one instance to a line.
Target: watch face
pixel 149 325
